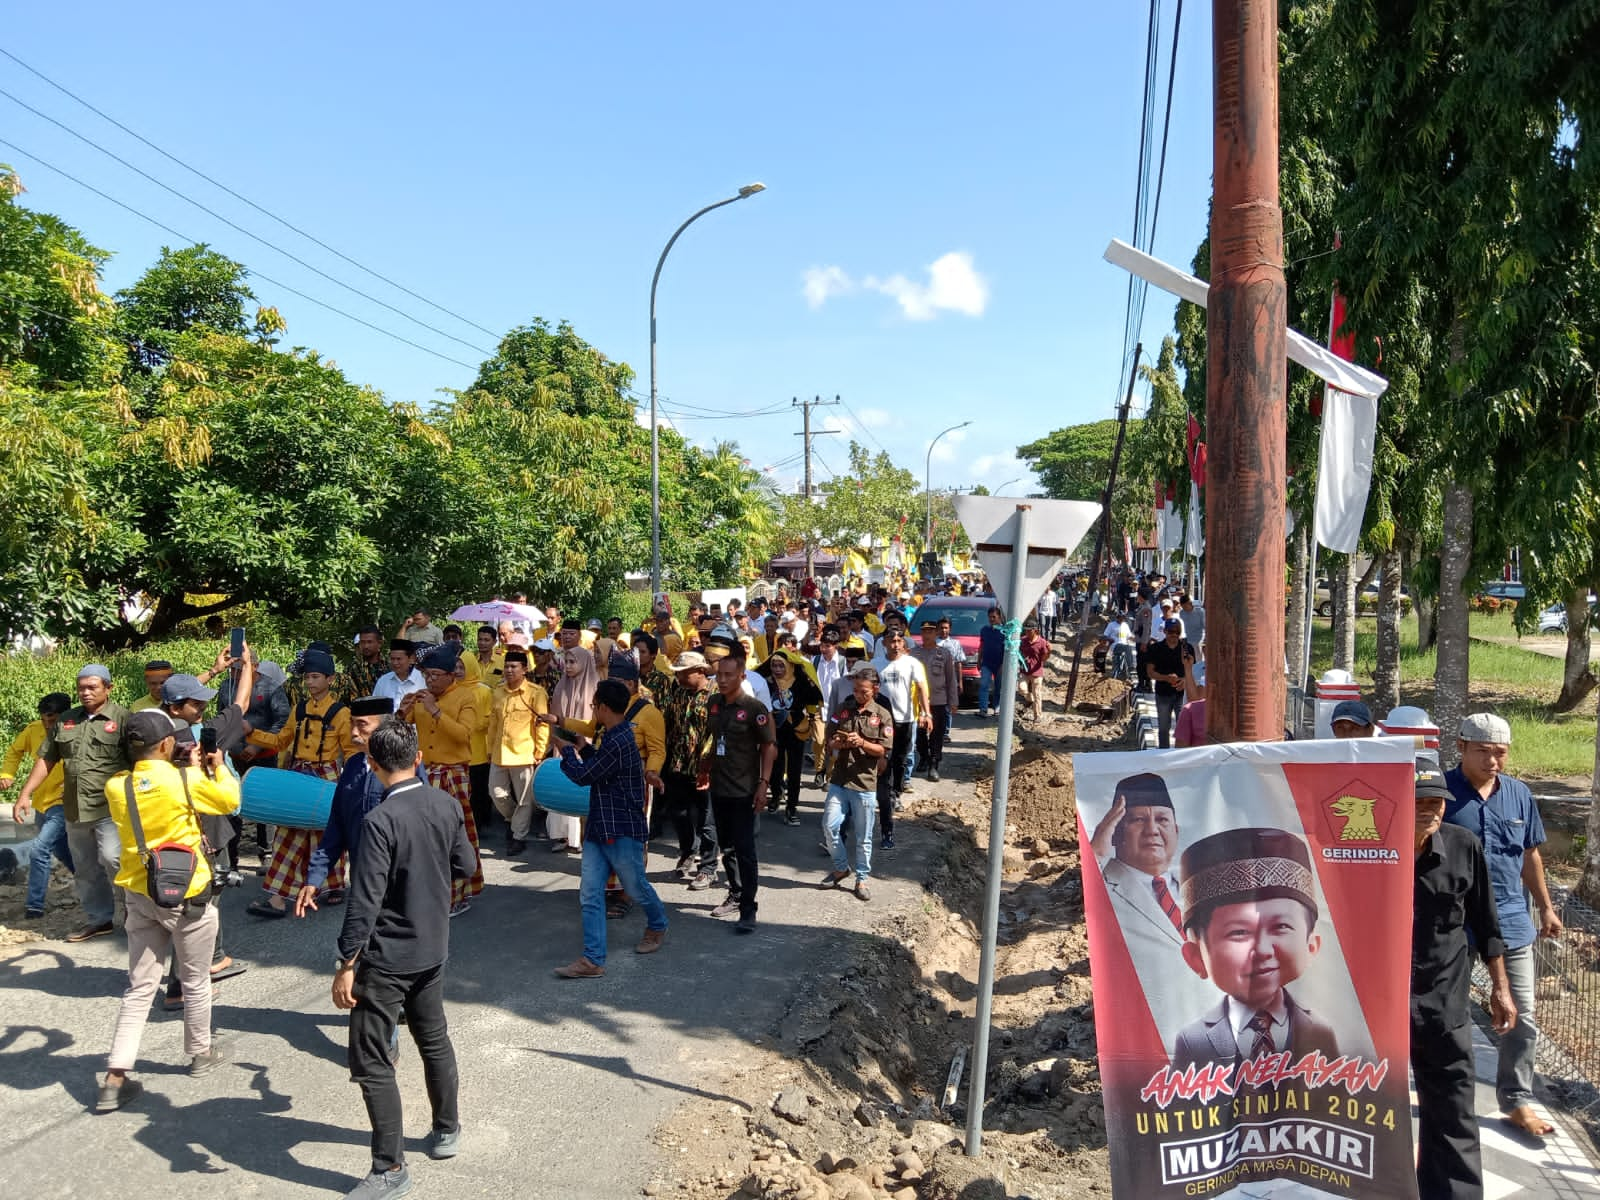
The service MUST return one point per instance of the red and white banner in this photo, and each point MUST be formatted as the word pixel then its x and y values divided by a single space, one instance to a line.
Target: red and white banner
pixel 1344 461
pixel 1249 912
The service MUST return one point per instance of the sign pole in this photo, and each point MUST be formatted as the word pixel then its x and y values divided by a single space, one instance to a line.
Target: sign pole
pixel 997 845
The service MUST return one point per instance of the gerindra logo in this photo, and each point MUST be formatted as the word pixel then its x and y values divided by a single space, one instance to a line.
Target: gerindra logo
pixel 1359 815
pixel 1307 1148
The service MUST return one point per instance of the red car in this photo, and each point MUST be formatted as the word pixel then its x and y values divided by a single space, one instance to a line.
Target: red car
pixel 967 615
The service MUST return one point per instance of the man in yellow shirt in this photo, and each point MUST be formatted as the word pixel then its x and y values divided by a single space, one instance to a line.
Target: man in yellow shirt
pixel 49 817
pixel 478 762
pixel 155 674
pixel 445 713
pixel 490 655
pixel 317 735
pixel 155 804
pixel 517 741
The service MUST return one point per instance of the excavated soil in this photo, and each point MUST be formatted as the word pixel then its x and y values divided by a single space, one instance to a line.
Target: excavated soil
pixel 850 1103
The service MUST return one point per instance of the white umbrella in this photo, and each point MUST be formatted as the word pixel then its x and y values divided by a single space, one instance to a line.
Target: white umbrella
pixel 499 610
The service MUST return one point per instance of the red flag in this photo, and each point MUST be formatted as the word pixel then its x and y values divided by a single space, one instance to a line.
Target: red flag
pixel 1197 453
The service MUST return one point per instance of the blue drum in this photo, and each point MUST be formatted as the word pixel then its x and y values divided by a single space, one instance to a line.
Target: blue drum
pixel 554 792
pixel 271 796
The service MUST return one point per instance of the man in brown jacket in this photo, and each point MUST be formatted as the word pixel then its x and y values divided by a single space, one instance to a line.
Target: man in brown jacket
pixel 944 696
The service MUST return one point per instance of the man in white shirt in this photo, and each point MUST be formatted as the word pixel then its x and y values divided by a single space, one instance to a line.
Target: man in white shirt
pixel 1047 607
pixel 1120 635
pixel 903 688
pixel 950 642
pixel 403 677
pixel 831 667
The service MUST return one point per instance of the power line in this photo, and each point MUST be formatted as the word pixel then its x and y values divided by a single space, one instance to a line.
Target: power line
pixel 192 242
pixel 290 255
pixel 244 199
pixel 1166 121
pixel 862 425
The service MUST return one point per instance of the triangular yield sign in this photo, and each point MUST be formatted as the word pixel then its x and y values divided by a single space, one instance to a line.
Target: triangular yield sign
pixel 1055 527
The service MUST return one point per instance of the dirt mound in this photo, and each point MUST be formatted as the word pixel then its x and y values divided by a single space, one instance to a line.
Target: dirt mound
pixel 1040 802
pixel 1100 691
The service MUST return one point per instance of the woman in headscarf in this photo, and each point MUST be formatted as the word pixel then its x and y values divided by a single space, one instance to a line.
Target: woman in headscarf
pixel 795 700
pixel 573 699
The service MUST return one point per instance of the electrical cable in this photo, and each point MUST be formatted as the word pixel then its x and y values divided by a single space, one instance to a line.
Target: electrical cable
pixel 267 278
pixel 1166 121
pixel 862 425
pixel 244 199
pixel 292 257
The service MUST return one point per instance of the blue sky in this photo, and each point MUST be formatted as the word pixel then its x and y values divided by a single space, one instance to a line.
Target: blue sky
pixel 941 183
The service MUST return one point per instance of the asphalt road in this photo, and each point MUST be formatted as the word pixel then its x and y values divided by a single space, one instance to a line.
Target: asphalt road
pixel 561 1081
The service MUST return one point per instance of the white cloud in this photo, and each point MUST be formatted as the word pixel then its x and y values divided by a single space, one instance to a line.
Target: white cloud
pixel 953 285
pixel 875 418
pixel 945 450
pixel 822 283
pixel 641 418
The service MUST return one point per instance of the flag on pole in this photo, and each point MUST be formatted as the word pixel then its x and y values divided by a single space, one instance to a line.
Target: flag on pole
pixel 1344 462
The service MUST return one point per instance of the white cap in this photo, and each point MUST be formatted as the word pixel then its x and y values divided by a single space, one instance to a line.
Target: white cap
pixel 1485 727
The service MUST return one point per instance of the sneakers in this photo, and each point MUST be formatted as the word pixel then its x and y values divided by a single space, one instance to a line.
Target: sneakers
pixel 819 780
pixel 111 1098
pixel 651 941
pixel 439 1144
pixel 84 932
pixel 727 908
pixel 581 969
pixel 459 907
pixel 204 1064
pixel 515 846
pixel 33 914
pixel 905 790
pixel 791 818
pixel 862 891
pixel 933 774
pixel 887 843
pixel 685 867
pixel 381 1184
pixel 746 924
pixel 702 882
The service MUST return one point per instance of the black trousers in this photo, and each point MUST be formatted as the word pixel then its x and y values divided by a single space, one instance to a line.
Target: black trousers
pixel 788 769
pixel 1449 1158
pixel 930 742
pixel 689 810
pixel 380 999
pixel 892 778
pixel 736 831
pixel 482 804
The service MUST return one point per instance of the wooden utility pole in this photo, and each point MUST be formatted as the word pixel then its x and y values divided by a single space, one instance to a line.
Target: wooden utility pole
pixel 1246 383
pixel 805 406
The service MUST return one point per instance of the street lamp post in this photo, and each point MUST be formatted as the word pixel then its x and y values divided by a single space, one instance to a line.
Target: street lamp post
pixel 927 487
pixel 749 189
pixel 1001 490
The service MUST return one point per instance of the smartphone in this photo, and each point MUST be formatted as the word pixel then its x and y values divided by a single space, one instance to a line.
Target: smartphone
pixel 557 732
pixel 236 642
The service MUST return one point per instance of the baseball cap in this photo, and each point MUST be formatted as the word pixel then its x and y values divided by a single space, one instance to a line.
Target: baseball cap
pixel 594 623
pixel 544 643
pixel 864 671
pixel 95 671
pixel 1351 710
pixel 690 660
pixel 148 727
pixel 1485 727
pixel 1172 623
pixel 179 688
pixel 1430 781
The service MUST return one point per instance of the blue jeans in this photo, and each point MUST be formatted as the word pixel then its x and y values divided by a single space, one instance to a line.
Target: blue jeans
pixel 987 677
pixel 96 853
pixel 859 808
pixel 51 839
pixel 625 856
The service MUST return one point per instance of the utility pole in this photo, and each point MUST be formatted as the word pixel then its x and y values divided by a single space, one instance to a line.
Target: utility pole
pixel 1247 336
pixel 805 407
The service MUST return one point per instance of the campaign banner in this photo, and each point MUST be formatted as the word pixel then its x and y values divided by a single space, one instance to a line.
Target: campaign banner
pixel 1249 913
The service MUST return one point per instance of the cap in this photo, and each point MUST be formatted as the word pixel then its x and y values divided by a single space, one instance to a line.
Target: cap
pixel 1172 624
pixel 95 671
pixel 1145 790
pixel 622 666
pixel 544 644
pixel 371 706
pixel 1351 710
pixel 690 660
pixel 179 688
pixel 864 671
pixel 319 661
pixel 1430 781
pixel 594 623
pixel 1476 727
pixel 148 727
pixel 1239 865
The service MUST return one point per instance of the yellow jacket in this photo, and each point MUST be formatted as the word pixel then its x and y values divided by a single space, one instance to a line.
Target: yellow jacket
pixel 164 815
pixel 447 738
pixel 312 738
pixel 649 731
pixel 515 738
pixel 26 745
pixel 484 703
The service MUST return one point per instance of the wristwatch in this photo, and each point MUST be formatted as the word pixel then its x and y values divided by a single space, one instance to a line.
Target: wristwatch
pixel 340 964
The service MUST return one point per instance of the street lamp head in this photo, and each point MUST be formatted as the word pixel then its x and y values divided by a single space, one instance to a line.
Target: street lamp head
pixel 750 189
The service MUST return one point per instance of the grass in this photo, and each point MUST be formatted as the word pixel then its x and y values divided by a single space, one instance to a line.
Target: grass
pixel 1518 684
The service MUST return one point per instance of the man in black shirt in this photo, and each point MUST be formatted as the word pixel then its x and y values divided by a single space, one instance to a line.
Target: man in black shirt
pixel 392 951
pixel 1163 663
pixel 1453 896
pixel 736 760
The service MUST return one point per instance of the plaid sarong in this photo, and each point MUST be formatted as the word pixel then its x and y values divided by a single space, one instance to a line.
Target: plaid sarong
pixel 291 848
pixel 456 779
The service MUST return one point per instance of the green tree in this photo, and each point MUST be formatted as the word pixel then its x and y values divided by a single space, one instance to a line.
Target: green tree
pixel 191 288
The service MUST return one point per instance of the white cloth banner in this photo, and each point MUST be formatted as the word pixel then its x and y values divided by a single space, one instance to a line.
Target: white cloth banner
pixel 1170 526
pixel 1344 468
pixel 1194 541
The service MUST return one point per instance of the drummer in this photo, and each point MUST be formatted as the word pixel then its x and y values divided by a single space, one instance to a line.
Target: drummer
pixel 357 793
